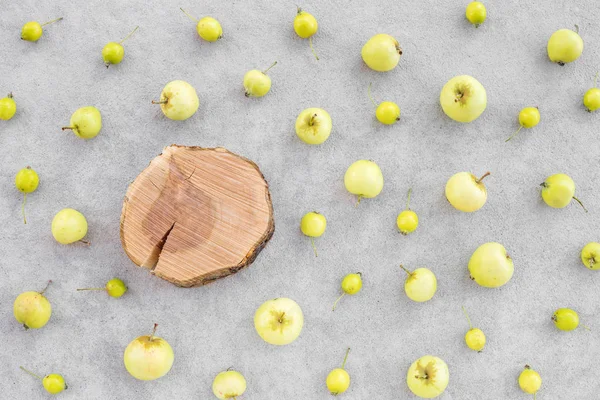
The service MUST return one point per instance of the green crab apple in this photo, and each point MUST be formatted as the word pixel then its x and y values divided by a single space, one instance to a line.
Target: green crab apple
pixel 351 284
pixel 528 118
pixel 53 383
pixel 566 319
pixel 428 377
pixel 313 225
pixel 113 52
pixel 591 98
pixel 69 226
pixel 26 181
pixel 178 100
pixel 565 46
pixel 490 266
pixel 148 357
pixel 208 28
pixel 474 338
pixel 114 288
pixel 32 309
pixel 463 98
pixel 305 26
pixel 476 13
pixel 338 380
pixel 407 221
pixel 257 83
pixel 32 31
pixel 8 107
pixel 590 256
pixel 86 122
pixel 313 125
pixel 381 53
pixel 558 190
pixel 386 112
pixel 279 321
pixel 420 285
pixel 364 179
pixel 229 385
pixel 466 192
pixel 530 381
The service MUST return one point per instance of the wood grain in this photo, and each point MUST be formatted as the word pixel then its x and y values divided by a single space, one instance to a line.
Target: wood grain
pixel 196 214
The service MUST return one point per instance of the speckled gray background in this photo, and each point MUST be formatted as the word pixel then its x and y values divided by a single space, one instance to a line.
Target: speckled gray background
pixel 211 327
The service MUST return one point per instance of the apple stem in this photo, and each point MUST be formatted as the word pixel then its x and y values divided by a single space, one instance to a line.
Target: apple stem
pixel 345 358
pixel 299 9
pixel 153 332
pixel 369 94
pixel 79 290
pixel 31 373
pixel 160 102
pixel 467 315
pixel 592 261
pixel 127 37
pixel 10 95
pixel 189 16
pixel 580 203
pixel 587 328
pixel 267 70
pixel 514 134
pixel 47 284
pixel 312 48
pixel 338 299
pixel 577 29
pixel 482 177
pixel 53 21
pixel 408 199
pixel 23 207
pixel 64 128
pixel 312 241
pixel 85 242
pixel 311 121
pixel 595 81
pixel 280 319
pixel 406 270
pixel 359 197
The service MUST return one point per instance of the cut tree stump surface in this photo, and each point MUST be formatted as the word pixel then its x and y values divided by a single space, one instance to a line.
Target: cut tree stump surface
pixel 195 215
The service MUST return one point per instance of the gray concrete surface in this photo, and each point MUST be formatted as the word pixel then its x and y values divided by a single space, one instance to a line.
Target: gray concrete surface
pixel 211 328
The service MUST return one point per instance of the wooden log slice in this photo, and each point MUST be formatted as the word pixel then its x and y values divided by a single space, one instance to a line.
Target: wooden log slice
pixel 195 215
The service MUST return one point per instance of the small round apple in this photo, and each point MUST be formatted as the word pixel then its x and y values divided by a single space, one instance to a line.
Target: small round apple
pixel 32 31
pixel 407 221
pixel 476 13
pixel 590 256
pixel 428 377
pixel 86 122
pixel 591 98
pixel 114 288
pixel 528 118
pixel 313 125
pixel 386 112
pixel 69 226
pixel 474 338
pixel 490 266
pixel 257 83
pixel 26 181
pixel 530 381
pixel 32 309
pixel 53 383
pixel 364 179
pixel 8 107
pixel 565 46
pixel 558 190
pixel 463 98
pixel 338 380
pixel 279 321
pixel 208 28
pixel 229 385
pixel 566 319
pixel 113 52
pixel 381 53
pixel 148 357
pixel 420 285
pixel 305 26
pixel 466 192
pixel 351 284
pixel 313 225
pixel 178 100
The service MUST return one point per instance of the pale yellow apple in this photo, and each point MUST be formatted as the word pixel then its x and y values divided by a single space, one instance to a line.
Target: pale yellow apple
pixel 279 321
pixel 590 256
pixel 420 285
pixel 466 192
pixel 463 98
pixel 229 385
pixel 490 266
pixel 428 377
pixel 381 53
pixel 178 100
pixel 148 357
pixel 313 125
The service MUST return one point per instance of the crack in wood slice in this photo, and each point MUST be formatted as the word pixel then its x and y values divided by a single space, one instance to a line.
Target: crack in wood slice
pixel 195 215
